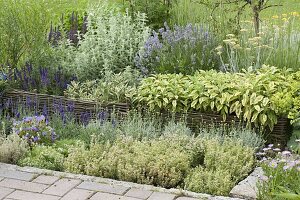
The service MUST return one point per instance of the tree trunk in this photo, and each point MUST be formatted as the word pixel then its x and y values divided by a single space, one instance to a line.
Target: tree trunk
pixel 256 19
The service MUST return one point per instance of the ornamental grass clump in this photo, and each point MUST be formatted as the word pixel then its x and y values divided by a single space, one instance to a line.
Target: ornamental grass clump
pixel 35 130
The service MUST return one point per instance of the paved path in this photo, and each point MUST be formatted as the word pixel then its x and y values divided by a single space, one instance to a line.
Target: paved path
pixel 24 183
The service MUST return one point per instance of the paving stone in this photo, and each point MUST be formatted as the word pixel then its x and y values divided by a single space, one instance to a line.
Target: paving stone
pixel 22 195
pixel 23 185
pixel 61 187
pixel 46 179
pixel 138 193
pixel 25 176
pixel 77 194
pixel 160 196
pixel 5 191
pixel 247 188
pixel 107 196
pixel 185 198
pixel 113 189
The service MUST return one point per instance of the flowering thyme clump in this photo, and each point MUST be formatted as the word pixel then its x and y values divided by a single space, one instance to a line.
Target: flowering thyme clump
pixel 35 130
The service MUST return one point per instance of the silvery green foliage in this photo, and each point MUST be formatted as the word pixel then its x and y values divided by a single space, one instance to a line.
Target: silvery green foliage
pixel 12 148
pixel 245 136
pixel 110 44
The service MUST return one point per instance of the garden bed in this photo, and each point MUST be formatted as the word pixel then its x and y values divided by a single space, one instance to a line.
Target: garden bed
pixel 279 135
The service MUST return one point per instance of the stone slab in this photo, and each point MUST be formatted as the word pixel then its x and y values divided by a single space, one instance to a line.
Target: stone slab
pixel 48 180
pixel 113 189
pixel 78 194
pixel 23 195
pixel 160 196
pixel 107 196
pixel 25 176
pixel 61 187
pixel 5 191
pixel 23 185
pixel 185 198
pixel 138 193
pixel 247 188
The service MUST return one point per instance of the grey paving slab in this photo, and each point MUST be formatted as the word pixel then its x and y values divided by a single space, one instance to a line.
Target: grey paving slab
pixel 78 194
pixel 48 180
pixel 161 195
pixel 23 195
pixel 23 185
pixel 138 193
pixel 113 189
pixel 25 176
pixel 185 198
pixel 107 196
pixel 61 187
pixel 5 191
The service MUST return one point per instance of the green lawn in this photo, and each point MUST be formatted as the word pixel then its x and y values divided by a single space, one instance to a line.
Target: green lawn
pixel 287 7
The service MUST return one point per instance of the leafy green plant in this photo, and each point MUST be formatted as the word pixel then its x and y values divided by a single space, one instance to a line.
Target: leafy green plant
pixel 294 142
pixel 112 88
pixel 164 91
pixel 43 157
pixel 156 10
pixel 109 45
pixel 23 32
pixel 250 95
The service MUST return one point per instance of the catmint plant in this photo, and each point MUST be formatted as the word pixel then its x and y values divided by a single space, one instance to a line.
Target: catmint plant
pixel 34 129
pixel 183 49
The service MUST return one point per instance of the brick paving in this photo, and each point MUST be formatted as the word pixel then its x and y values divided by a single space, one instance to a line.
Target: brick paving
pixel 18 183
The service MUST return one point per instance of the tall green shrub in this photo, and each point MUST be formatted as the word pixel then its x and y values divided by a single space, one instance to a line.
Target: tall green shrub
pixel 23 32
